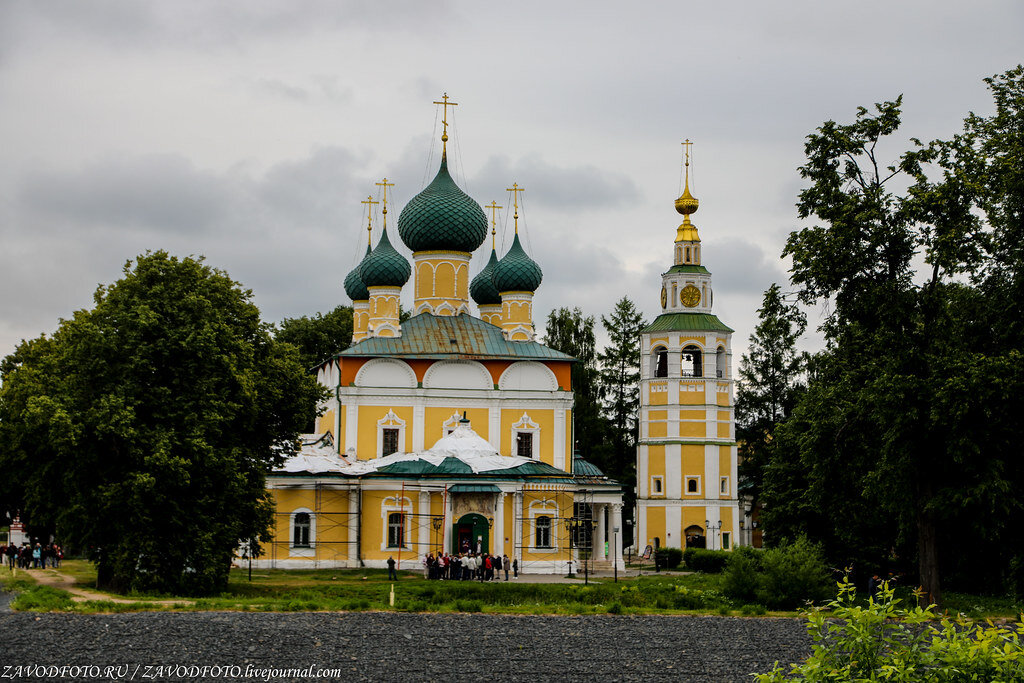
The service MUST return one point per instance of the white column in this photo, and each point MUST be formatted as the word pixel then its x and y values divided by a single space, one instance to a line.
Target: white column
pixel 494 428
pixel 499 525
pixel 418 416
pixel 351 427
pixel 446 530
pixel 563 460
pixel 599 535
pixel 424 527
pixel 353 527
pixel 517 526
pixel 617 538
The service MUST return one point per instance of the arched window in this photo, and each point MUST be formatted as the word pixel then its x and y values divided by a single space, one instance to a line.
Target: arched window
pixel 720 361
pixel 659 362
pixel 692 362
pixel 396 530
pixel 542 532
pixel 300 530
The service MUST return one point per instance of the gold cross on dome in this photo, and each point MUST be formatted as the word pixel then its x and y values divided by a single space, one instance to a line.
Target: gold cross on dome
pixel 515 190
pixel 493 206
pixel 686 149
pixel 444 117
pixel 385 184
pixel 369 217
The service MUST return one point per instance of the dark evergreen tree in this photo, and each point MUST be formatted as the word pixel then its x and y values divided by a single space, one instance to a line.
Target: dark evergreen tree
pixel 143 429
pixel 771 378
pixel 571 332
pixel 620 379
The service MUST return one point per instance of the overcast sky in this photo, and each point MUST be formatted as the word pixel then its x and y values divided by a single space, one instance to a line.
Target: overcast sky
pixel 248 131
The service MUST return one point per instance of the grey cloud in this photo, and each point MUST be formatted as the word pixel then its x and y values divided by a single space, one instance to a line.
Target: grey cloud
pixel 564 188
pixel 155 192
pixel 741 267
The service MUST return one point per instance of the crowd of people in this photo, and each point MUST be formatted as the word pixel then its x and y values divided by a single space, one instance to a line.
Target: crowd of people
pixel 28 556
pixel 469 566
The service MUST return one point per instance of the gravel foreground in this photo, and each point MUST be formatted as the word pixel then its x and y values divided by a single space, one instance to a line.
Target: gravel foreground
pixel 374 646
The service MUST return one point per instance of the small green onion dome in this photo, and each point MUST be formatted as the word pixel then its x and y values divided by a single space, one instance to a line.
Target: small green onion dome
pixel 517 272
pixel 354 286
pixel 482 287
pixel 442 217
pixel 384 267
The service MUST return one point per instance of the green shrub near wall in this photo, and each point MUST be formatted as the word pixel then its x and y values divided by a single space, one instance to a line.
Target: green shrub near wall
pixel 669 558
pixel 707 561
pixel 779 578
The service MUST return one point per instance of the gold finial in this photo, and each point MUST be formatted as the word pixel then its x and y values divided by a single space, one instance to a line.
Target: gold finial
pixel 385 184
pixel 515 190
pixel 444 120
pixel 493 206
pixel 369 218
pixel 687 203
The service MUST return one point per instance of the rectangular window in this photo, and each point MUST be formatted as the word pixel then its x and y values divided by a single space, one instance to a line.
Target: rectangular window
pixel 693 485
pixel 524 444
pixel 725 486
pixel 725 540
pixel 542 532
pixel 390 441
pixel 396 530
pixel 300 530
pixel 657 486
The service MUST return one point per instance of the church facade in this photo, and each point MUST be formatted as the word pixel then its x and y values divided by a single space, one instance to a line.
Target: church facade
pixel 686 453
pixel 447 432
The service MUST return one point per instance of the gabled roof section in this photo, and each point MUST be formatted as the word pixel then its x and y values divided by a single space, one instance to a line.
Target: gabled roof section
pixel 459 336
pixel 703 322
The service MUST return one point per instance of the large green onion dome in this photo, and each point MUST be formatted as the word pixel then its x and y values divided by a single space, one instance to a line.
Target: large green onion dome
pixel 384 267
pixel 517 272
pixel 442 217
pixel 482 287
pixel 354 286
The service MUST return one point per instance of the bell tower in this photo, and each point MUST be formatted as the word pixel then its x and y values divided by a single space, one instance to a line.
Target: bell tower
pixel 686 453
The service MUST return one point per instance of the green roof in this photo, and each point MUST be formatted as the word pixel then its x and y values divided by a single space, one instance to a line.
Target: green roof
pixel 457 336
pixel 585 468
pixel 442 217
pixel 450 466
pixel 474 488
pixel 704 322
pixel 482 287
pixel 354 286
pixel 682 268
pixel 384 266
pixel 517 272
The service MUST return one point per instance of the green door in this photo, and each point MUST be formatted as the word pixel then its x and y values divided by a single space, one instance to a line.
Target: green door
pixel 471 534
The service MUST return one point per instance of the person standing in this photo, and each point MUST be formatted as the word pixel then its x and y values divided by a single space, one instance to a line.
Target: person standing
pixel 504 565
pixel 515 568
pixel 392 575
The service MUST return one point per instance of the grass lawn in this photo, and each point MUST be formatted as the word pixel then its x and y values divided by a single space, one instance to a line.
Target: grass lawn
pixel 278 590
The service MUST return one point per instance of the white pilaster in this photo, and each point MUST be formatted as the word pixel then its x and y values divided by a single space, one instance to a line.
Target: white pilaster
pixel 617 537
pixel 353 527
pixel 517 526
pixel 423 525
pixel 419 412
pixel 499 525
pixel 559 446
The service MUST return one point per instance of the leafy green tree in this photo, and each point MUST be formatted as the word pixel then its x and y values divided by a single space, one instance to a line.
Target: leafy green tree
pixel 771 379
pixel 318 337
pixel 143 428
pixel 894 444
pixel 620 377
pixel 571 332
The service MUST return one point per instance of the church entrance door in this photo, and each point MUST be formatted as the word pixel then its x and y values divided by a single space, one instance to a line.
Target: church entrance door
pixel 471 534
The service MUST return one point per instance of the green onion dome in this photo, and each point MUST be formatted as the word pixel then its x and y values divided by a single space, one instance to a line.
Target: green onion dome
pixel 442 217
pixel 517 272
pixel 384 267
pixel 482 287
pixel 354 286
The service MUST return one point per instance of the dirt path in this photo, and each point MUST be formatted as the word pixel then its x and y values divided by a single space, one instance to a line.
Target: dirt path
pixel 52 577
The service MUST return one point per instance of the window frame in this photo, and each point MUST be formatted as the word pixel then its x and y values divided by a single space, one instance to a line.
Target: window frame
pixel 686 485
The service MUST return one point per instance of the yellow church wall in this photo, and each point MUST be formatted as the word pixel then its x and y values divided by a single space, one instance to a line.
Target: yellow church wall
pixel 693 429
pixel 694 516
pixel 723 428
pixel 374 524
pixel 558 508
pixel 366 441
pixel 656 341
pixel 545 419
pixel 655 525
pixel 693 465
pixel 656 463
pixel 325 423
pixel 444 280
pixel 434 419
pixel 656 423
pixel 657 398
pixel 330 538
pixel 691 415
pixel 691 398
pixel 722 398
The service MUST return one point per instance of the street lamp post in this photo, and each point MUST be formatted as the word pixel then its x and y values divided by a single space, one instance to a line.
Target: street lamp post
pixel 570 525
pixel 712 528
pixel 615 552
pixel 437 522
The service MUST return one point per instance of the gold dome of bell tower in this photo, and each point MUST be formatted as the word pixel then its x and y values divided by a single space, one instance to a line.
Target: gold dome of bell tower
pixel 687 205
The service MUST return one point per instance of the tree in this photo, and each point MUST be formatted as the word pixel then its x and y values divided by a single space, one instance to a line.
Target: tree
pixel 771 379
pixel 620 379
pixel 894 444
pixel 569 331
pixel 318 337
pixel 143 428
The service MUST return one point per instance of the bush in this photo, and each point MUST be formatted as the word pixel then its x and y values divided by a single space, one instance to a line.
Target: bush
pixel 668 558
pixel 883 641
pixel 781 578
pixel 707 561
pixel 742 575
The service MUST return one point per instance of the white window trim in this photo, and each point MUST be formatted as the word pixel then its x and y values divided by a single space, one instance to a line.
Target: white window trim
pixel 543 508
pixel 723 487
pixel 686 485
pixel 451 423
pixel 654 489
pixel 390 421
pixel 393 504
pixel 309 551
pixel 726 540
pixel 527 425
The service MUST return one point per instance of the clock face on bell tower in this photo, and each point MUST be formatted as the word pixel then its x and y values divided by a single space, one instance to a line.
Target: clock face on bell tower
pixel 664 297
pixel 690 296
